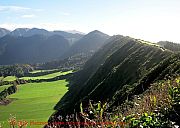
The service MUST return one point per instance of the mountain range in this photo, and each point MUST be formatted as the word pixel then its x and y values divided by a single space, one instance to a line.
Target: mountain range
pixel 35 45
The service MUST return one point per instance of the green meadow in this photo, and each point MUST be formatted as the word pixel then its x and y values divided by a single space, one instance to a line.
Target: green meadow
pixel 34 101
pixel 47 76
pixel 9 78
pixel 37 71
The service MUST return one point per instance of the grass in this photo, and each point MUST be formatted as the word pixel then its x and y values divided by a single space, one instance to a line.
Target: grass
pixel 47 76
pixel 37 71
pixel 9 78
pixel 3 87
pixel 34 102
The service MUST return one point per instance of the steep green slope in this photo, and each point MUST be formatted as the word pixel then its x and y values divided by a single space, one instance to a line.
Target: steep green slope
pixel 123 61
pixel 168 68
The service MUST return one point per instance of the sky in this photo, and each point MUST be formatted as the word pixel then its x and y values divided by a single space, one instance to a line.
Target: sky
pixel 151 20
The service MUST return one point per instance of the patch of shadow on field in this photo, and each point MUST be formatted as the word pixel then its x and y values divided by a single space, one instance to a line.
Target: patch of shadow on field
pixel 7 101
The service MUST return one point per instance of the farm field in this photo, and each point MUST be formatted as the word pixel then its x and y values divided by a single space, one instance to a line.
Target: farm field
pixel 34 101
pixel 47 76
pixel 37 71
pixel 9 78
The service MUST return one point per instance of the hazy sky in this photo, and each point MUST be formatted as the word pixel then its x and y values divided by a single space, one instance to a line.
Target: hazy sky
pixel 151 20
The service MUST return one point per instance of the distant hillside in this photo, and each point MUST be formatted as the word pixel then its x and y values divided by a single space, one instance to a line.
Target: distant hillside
pixel 24 45
pixel 170 45
pixel 3 32
pixel 71 37
pixel 75 32
pixel 32 49
pixel 88 43
pixel 26 32
pixel 19 32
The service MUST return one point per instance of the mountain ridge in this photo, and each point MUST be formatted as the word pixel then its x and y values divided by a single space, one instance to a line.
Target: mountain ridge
pixel 90 42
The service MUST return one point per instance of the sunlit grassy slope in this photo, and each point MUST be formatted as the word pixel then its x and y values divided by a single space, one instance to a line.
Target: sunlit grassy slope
pixel 37 71
pixel 47 76
pixel 9 78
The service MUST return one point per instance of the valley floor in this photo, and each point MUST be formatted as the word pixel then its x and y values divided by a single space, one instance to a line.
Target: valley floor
pixel 33 102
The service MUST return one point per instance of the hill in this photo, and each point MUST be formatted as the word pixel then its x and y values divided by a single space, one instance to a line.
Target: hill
pixel 3 32
pixel 32 49
pixel 71 37
pixel 122 69
pixel 122 61
pixel 88 43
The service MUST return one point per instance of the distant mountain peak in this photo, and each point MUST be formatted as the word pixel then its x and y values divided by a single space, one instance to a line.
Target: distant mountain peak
pixel 75 32
pixel 4 29
pixel 22 28
pixel 97 32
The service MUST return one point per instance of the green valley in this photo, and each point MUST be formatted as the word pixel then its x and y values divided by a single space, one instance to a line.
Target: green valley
pixel 34 101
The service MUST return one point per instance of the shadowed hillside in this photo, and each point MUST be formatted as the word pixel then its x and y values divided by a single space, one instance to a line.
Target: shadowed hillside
pixel 123 61
pixel 36 48
pixel 89 43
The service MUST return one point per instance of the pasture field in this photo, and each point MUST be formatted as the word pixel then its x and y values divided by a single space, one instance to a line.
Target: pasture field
pixel 34 101
pixel 9 78
pixel 37 71
pixel 52 75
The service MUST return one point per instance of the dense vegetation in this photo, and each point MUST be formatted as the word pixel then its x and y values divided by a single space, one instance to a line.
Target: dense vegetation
pixel 10 90
pixel 156 107
pixel 15 70
pixel 74 62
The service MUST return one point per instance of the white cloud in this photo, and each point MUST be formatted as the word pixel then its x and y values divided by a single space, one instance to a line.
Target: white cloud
pixel 38 10
pixel 17 9
pixel 28 16
pixel 65 13
pixel 13 8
